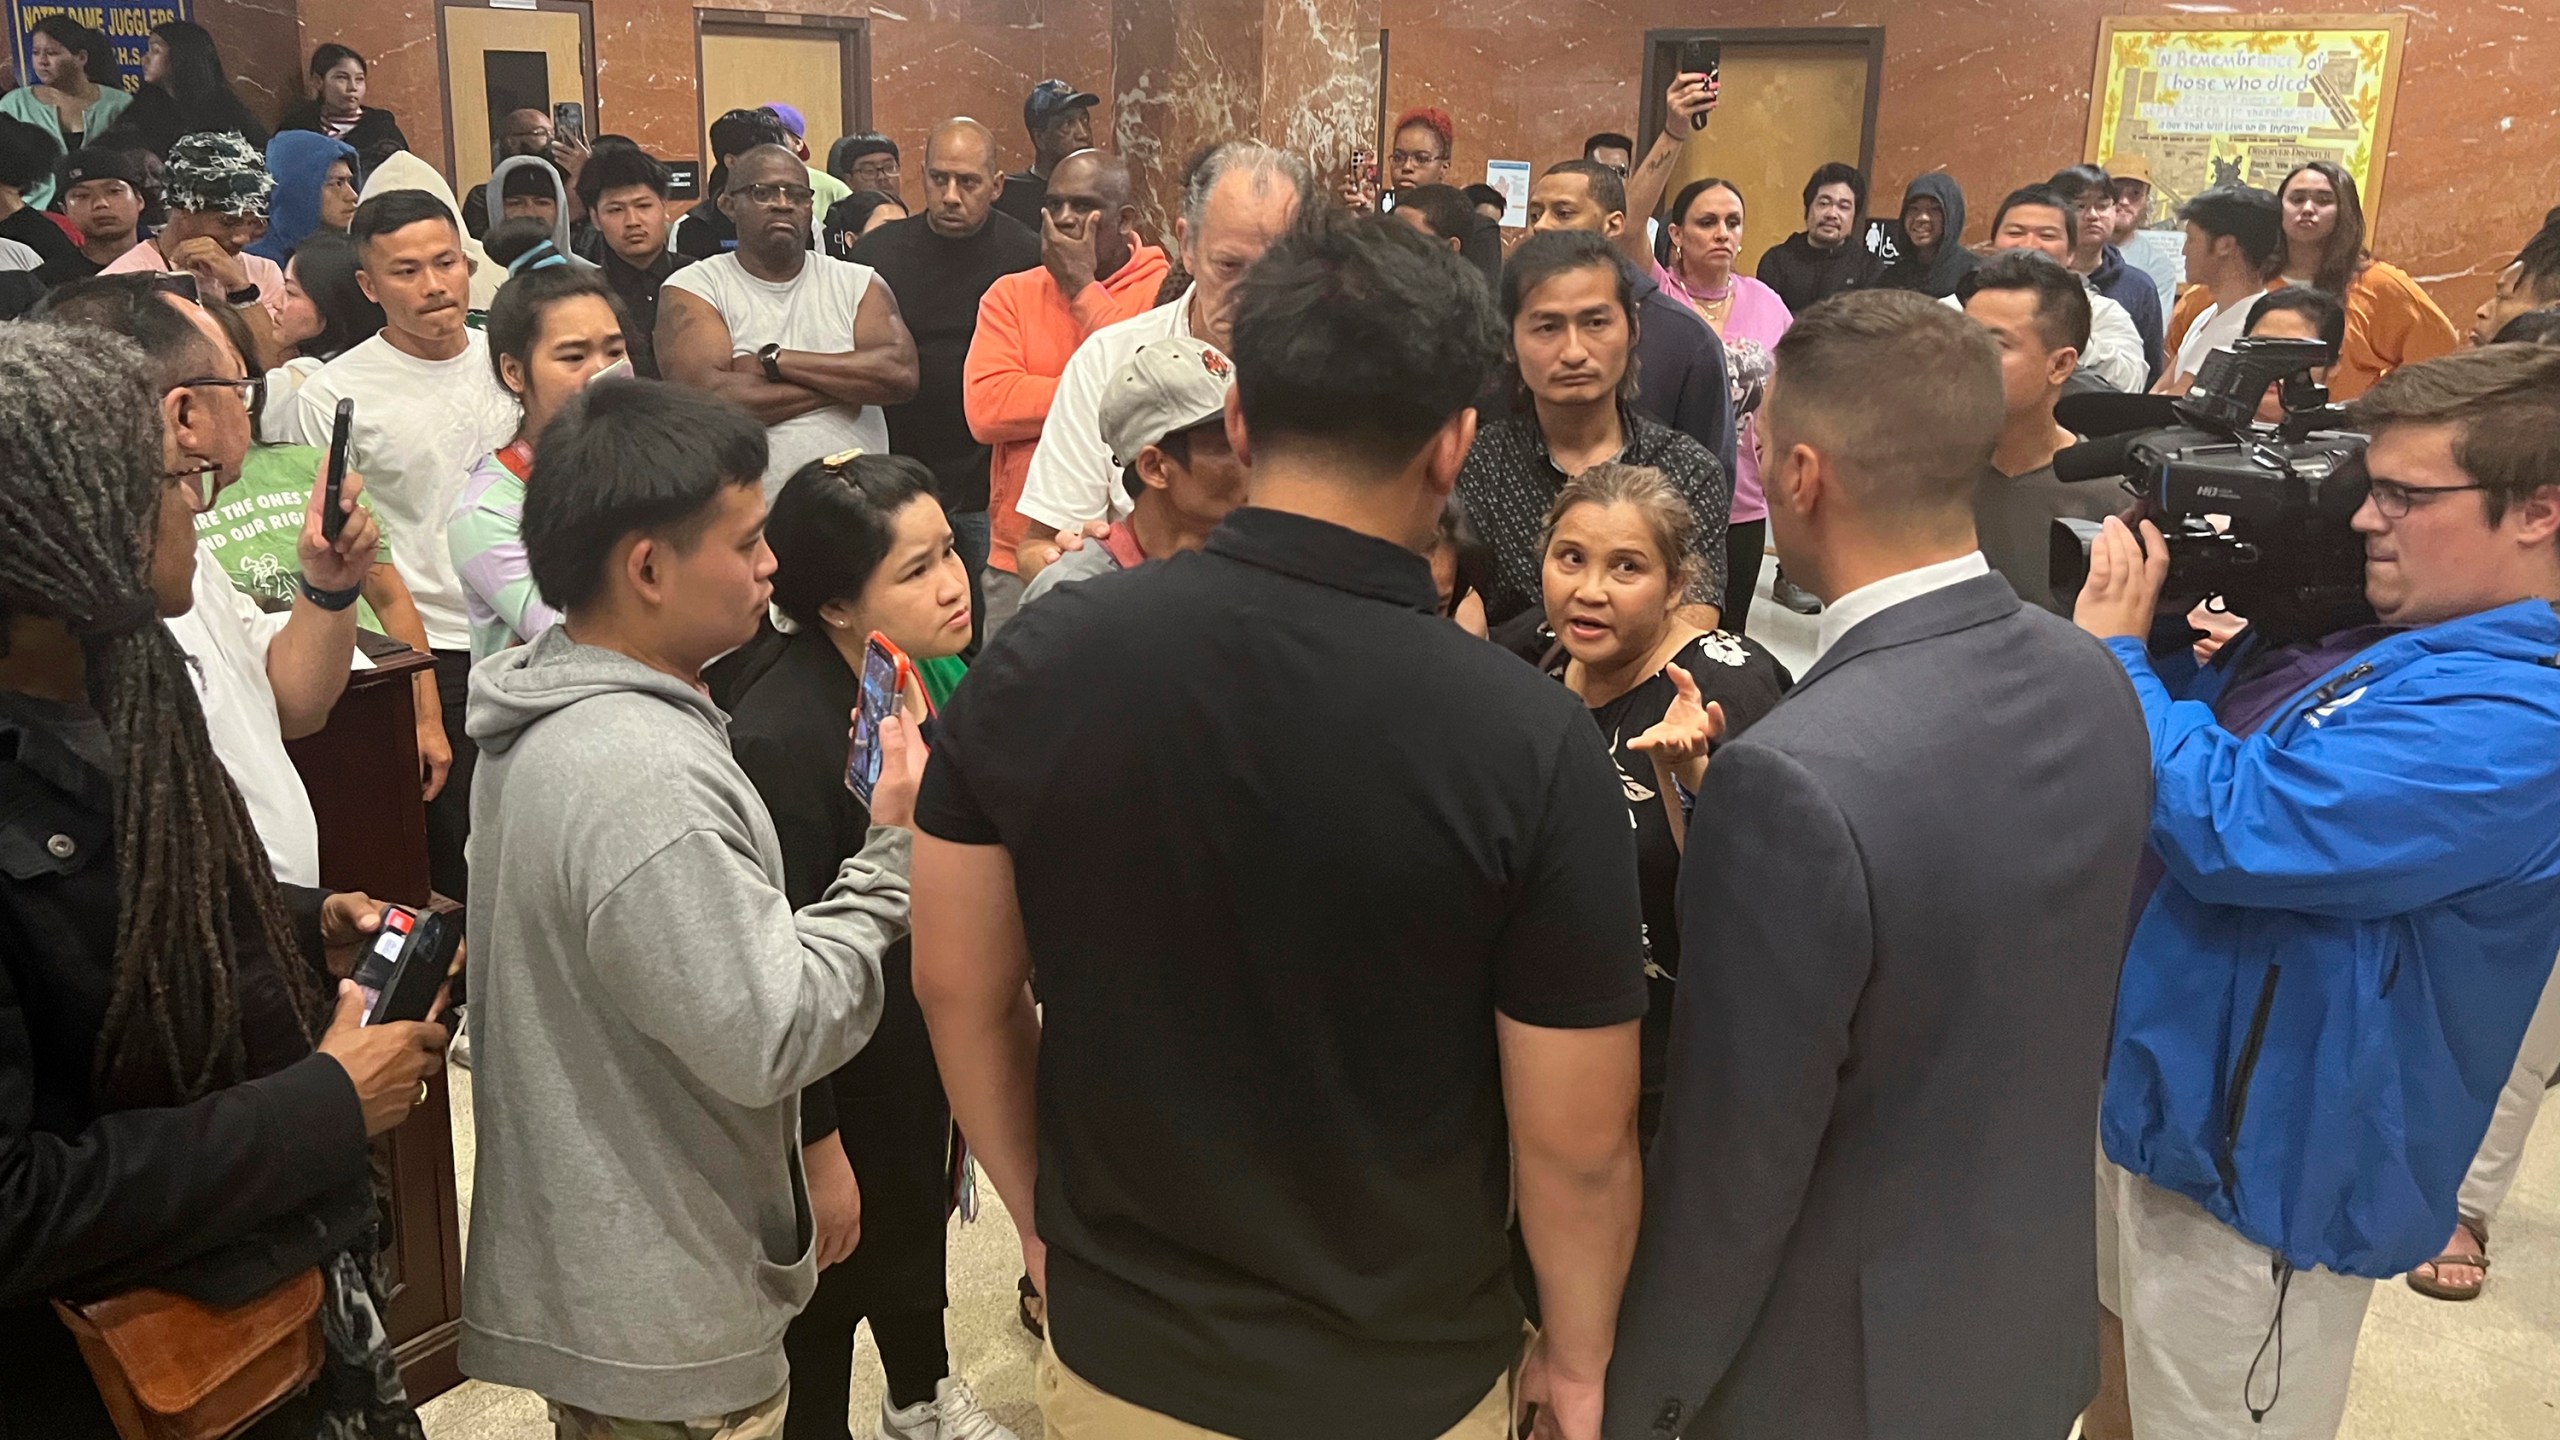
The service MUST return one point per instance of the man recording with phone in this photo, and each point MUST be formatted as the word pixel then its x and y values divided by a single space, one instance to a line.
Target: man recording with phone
pixel 2350 906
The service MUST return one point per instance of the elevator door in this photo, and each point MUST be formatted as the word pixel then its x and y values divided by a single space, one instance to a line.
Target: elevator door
pixel 497 61
pixel 1789 103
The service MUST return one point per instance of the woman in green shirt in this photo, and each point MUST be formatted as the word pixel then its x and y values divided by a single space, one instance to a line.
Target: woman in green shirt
pixel 65 101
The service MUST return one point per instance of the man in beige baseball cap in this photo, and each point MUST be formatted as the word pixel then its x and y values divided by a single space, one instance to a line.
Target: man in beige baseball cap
pixel 1165 418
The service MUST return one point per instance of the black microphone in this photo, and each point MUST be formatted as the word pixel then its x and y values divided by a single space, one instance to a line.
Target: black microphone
pixel 2110 412
pixel 2095 459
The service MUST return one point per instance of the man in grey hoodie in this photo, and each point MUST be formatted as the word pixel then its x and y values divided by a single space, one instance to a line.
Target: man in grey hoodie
pixel 648 1005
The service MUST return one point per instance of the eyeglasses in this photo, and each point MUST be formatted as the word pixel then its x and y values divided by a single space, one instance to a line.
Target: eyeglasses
pixel 1414 157
pixel 200 484
pixel 794 196
pixel 877 168
pixel 2393 500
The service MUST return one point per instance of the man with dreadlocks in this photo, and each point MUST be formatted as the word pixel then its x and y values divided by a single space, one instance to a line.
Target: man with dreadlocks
pixel 262 679
pixel 179 1106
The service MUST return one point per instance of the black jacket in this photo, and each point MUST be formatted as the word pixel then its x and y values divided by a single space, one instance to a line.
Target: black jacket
pixel 160 118
pixel 1804 275
pixel 375 134
pixel 220 1199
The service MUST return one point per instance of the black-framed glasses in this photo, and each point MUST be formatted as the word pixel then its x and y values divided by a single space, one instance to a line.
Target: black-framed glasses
pixel 201 483
pixel 876 167
pixel 2393 500
pixel 250 388
pixel 794 196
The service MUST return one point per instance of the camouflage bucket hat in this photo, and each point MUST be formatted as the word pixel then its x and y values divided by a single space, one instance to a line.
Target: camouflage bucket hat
pixel 216 173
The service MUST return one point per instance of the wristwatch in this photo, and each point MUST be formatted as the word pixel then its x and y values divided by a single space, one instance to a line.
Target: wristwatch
pixel 245 295
pixel 770 357
pixel 331 600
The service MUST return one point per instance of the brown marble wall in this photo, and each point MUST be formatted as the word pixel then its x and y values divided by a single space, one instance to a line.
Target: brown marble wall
pixel 261 47
pixel 1997 93
pixel 1185 73
pixel 930 59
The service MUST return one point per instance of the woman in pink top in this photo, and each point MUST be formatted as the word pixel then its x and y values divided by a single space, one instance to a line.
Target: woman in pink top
pixel 1706 234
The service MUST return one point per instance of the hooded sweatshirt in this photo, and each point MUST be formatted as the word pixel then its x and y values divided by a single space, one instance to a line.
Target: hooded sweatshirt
pixel 405 171
pixel 300 161
pixel 1934 275
pixel 647 1008
pixel 560 239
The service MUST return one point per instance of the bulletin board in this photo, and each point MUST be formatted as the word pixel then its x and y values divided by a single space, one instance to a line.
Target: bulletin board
pixel 2222 99
pixel 127 24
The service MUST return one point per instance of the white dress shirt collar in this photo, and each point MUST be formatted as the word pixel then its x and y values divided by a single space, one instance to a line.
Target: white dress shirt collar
pixel 1873 599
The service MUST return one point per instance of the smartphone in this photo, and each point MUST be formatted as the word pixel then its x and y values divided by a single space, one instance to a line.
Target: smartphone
pixel 333 514
pixel 1702 57
pixel 568 121
pixel 401 970
pixel 886 672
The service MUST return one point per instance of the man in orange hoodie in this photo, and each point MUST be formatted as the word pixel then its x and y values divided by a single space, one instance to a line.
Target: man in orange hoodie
pixel 1092 273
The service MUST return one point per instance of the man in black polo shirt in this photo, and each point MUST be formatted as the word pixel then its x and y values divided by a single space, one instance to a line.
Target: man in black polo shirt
pixel 1389 905
pixel 939 265
pixel 624 191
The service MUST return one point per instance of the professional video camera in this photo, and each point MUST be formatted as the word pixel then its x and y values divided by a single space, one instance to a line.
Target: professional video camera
pixel 2279 547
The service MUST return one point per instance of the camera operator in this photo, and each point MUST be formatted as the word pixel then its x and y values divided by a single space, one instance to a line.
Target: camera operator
pixel 2351 905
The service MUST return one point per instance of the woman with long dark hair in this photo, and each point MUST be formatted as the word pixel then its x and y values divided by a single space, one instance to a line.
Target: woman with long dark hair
pixel 1568 299
pixel 2391 322
pixel 337 109
pixel 185 90
pixel 860 545
pixel 186 1095
pixel 65 98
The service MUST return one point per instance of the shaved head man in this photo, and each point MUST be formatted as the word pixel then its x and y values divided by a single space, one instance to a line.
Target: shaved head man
pixel 940 264
pixel 1093 273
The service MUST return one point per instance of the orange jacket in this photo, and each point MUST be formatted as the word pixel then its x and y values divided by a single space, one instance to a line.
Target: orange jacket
pixel 1026 331
pixel 2391 322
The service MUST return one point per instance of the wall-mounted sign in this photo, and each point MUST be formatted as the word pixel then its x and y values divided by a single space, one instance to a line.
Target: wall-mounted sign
pixel 127 26
pixel 2215 100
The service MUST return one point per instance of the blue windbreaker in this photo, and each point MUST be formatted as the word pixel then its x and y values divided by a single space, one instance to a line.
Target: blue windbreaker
pixel 2326 993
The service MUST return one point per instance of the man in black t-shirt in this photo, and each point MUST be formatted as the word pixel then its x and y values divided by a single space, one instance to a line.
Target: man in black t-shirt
pixel 624 192
pixel 939 265
pixel 1060 119
pixel 101 194
pixel 1334 912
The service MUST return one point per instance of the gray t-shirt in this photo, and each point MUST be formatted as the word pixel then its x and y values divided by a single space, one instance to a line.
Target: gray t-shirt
pixel 2014 514
pixel 1093 558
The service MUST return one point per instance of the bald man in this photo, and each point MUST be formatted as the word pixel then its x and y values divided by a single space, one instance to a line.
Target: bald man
pixel 1093 273
pixel 939 263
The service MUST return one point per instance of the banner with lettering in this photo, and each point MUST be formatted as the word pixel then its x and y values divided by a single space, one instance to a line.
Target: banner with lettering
pixel 2212 100
pixel 126 25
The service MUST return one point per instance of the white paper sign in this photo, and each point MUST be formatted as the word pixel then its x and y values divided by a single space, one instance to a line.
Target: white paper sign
pixel 1511 177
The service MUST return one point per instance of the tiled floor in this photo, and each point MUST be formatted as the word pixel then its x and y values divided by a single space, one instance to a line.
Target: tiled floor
pixel 2488 1370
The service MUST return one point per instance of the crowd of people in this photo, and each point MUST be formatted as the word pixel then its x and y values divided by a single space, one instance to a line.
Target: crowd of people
pixel 1323 631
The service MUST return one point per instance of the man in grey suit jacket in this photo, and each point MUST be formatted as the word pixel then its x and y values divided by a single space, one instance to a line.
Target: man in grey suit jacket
pixel 1869 1211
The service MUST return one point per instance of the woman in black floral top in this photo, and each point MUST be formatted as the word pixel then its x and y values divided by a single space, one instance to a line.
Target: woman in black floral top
pixel 1569 300
pixel 1619 551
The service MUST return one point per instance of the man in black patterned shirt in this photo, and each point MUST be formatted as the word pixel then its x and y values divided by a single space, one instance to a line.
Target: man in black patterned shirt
pixel 1568 299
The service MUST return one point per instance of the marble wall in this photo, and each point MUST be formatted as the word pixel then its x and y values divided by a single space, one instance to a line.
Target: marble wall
pixel 1997 94
pixel 1993 91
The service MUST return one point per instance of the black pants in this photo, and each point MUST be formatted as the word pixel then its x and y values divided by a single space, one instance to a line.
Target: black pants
pixel 1744 545
pixel 449 814
pixel 819 1345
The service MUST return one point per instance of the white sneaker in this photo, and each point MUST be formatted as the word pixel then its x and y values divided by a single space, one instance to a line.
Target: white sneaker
pixel 952 1414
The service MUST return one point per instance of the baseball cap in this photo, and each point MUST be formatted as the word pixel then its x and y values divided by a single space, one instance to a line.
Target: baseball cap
pixel 1168 387
pixel 2127 167
pixel 217 173
pixel 790 116
pixel 1050 99
pixel 91 162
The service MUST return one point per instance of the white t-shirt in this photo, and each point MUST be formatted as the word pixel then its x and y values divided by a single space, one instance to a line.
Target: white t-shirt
pixel 813 312
pixel 2213 330
pixel 1072 479
pixel 226 637
pixel 420 425
pixel 2114 353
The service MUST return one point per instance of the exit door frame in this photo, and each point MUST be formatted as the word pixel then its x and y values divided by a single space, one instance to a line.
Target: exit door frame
pixel 1662 49
pixel 586 54
pixel 852 32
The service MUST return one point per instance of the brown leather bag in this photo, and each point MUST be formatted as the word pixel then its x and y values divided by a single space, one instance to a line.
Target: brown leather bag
pixel 171 1368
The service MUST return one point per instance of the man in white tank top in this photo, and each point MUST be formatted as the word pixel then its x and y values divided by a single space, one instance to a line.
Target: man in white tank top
pixel 809 344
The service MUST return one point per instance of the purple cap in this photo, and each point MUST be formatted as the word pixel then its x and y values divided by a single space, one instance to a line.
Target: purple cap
pixel 790 116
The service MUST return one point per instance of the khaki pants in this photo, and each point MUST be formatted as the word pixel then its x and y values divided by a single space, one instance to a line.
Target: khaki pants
pixel 1073 1409
pixel 2494 1169
pixel 760 1422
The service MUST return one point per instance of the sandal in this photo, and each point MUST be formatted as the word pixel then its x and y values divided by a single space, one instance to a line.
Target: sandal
pixel 2429 1285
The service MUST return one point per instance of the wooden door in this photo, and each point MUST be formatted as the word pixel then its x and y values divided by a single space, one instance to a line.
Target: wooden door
pixel 809 66
pixel 501 60
pixel 1791 102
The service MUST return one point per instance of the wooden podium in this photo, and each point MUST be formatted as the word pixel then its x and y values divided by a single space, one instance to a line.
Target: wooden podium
pixel 362 772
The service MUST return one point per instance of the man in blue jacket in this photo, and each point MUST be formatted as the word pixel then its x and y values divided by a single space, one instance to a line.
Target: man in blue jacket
pixel 2357 852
